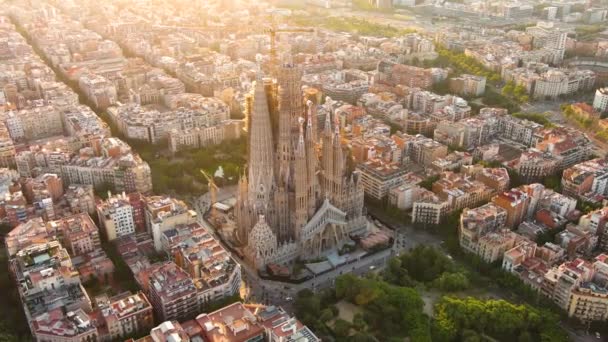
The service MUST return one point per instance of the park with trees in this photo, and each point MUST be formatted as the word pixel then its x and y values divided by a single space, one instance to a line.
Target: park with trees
pixel 387 312
pixel 351 25
pixel 427 266
pixel 390 307
pixel 463 64
pixel 470 319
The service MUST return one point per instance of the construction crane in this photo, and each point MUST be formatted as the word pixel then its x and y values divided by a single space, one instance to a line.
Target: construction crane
pixel 272 33
pixel 213 194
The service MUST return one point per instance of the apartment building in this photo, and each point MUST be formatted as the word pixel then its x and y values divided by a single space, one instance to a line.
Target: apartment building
pixel 26 234
pixel 600 101
pixel 216 275
pixel 558 82
pixel 379 177
pixel 16 209
pixel 568 145
pixel 204 136
pixel 515 202
pixel 587 180
pixel 34 123
pixel 514 257
pixel 423 150
pixel 589 303
pixel 171 291
pixel 167 331
pixel 101 92
pixel 375 147
pixel 55 326
pixel 349 92
pixel 430 210
pixel 116 216
pixel 550 38
pixel 47 158
pixel 496 178
pixel 7 147
pixel 534 165
pixel 477 222
pixel 411 76
pixel 461 191
pixel 560 282
pixel 518 130
pixel 453 161
pixel 468 85
pixel 123 315
pixel 451 192
pixel 80 199
pixel 151 124
pixel 492 246
pixel 279 326
pixel 116 166
pixel 237 322
pixel 242 326
pixel 78 233
pixel 81 121
pixel 43 186
pixel 450 133
pixel 163 213
pixel 595 222
pixel 54 301
pixel 404 196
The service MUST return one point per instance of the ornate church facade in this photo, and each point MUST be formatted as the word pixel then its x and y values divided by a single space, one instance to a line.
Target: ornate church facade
pixel 299 199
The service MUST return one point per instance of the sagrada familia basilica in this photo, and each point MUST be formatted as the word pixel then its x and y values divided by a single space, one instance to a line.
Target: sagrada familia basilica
pixel 300 198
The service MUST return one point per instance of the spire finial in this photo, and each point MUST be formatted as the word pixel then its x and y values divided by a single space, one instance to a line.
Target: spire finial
pixel 329 103
pixel 336 124
pixel 301 123
pixel 309 106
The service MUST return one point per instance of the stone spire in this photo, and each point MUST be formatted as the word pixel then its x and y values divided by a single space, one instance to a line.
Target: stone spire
pixel 290 109
pixel 338 153
pixel 327 152
pixel 311 160
pixel 260 149
pixel 301 184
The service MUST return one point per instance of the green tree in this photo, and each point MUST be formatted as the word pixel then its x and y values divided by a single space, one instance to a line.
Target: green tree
pixel 307 306
pixel 469 335
pixel 525 337
pixel 428 183
pixel 362 337
pixel 497 318
pixel 358 322
pixel 519 90
pixel 524 98
pixel 326 315
pixel 451 282
pixel 342 328
pixel 425 263
pixel 444 329
pixel 508 89
pixel 553 182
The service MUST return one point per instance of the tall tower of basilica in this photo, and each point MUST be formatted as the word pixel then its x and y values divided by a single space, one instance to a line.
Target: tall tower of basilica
pixel 297 189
